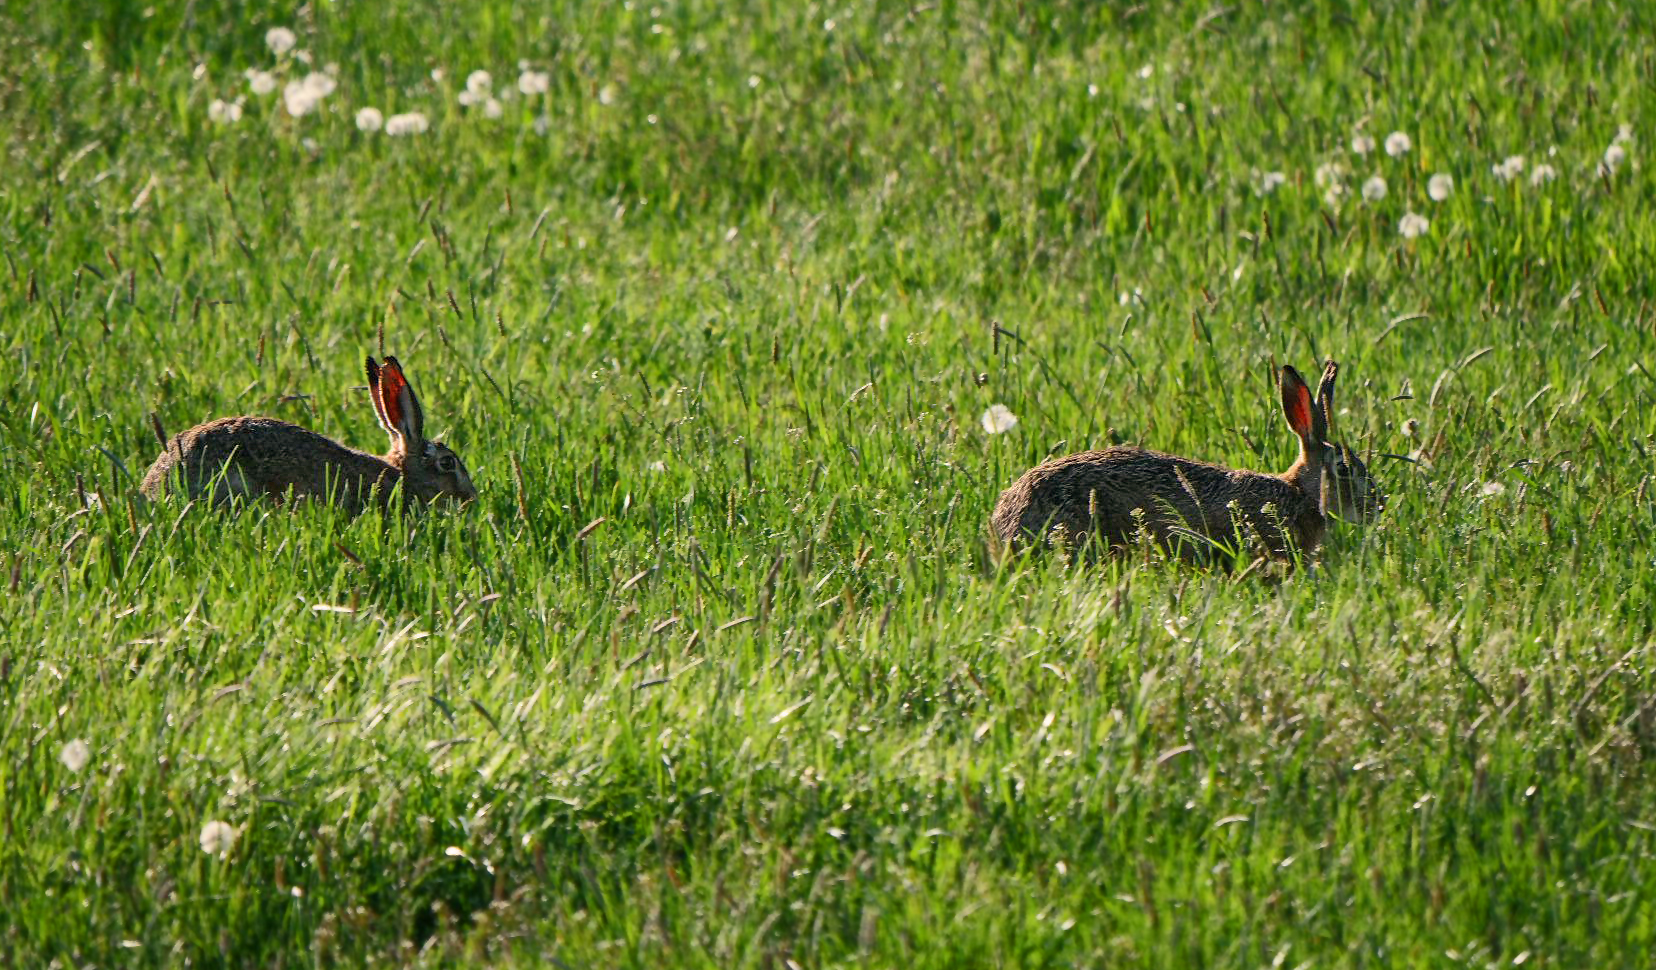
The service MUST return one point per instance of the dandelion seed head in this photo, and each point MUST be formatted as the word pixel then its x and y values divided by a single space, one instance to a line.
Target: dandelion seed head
pixel 261 83
pixel 1362 143
pixel 479 83
pixel 1624 134
pixel 1440 186
pixel 492 108
pixel 1492 489
pixel 1412 225
pixel 1543 174
pixel 75 755
pixel 223 112
pixel 999 419
pixel 369 120
pixel 1374 189
pixel 1508 169
pixel 280 40
pixel 411 123
pixel 534 82
pixel 1267 182
pixel 606 95
pixel 1329 173
pixel 1398 144
pixel 1614 157
pixel 217 837
pixel 543 124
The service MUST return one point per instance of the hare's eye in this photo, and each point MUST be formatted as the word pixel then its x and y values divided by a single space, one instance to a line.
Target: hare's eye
pixel 445 463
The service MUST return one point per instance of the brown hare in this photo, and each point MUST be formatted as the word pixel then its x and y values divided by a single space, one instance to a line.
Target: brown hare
pixel 251 456
pixel 1188 505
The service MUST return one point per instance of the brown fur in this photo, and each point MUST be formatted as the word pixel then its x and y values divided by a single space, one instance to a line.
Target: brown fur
pixel 1191 506
pixel 253 456
pixel 1114 493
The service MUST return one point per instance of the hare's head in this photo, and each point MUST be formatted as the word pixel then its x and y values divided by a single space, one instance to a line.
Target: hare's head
pixel 430 469
pixel 1326 468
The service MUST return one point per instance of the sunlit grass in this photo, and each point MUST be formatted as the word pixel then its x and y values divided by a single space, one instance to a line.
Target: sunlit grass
pixel 721 670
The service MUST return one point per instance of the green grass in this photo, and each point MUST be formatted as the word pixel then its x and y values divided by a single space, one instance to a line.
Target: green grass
pixel 720 671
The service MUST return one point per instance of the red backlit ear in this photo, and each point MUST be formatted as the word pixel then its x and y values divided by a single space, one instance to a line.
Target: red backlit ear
pixel 400 407
pixel 1296 402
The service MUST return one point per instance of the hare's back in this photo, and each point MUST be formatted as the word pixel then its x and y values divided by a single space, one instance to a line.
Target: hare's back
pixel 254 455
pixel 1113 486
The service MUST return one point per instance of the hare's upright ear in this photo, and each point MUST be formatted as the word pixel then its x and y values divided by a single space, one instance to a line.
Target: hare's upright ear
pixel 373 370
pixel 1297 405
pixel 398 408
pixel 1325 398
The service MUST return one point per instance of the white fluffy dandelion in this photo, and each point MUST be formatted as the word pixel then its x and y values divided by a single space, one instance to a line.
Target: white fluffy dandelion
pixel 1398 144
pixel 1440 186
pixel 1624 135
pixel 369 119
pixel 534 82
pixel 492 108
pixel 543 124
pixel 1614 157
pixel 1508 169
pixel 1543 174
pixel 411 123
pixel 1412 226
pixel 217 837
pixel 479 82
pixel 1267 182
pixel 1374 189
pixel 75 755
pixel 999 419
pixel 301 97
pixel 606 95
pixel 1362 143
pixel 222 112
pixel 260 83
pixel 280 40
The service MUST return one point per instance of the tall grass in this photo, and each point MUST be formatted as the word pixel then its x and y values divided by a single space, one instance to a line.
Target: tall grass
pixel 720 670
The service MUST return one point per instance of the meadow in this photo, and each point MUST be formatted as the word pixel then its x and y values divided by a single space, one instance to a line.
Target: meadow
pixel 718 302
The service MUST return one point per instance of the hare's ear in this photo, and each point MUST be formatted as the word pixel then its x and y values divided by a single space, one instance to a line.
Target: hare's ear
pixel 1297 405
pixel 379 402
pixel 1325 398
pixel 400 409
